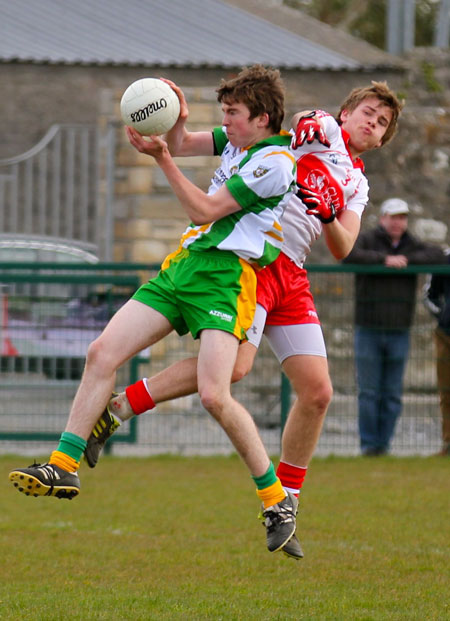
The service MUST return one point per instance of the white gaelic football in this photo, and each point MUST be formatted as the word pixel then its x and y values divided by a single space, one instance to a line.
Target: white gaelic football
pixel 150 106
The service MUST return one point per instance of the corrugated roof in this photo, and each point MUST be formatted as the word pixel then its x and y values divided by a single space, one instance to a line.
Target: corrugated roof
pixel 153 32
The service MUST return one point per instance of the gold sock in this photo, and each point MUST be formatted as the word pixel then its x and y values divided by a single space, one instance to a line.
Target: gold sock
pixel 272 494
pixel 67 463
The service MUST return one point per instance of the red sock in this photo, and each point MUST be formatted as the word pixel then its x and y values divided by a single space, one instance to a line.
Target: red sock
pixel 139 397
pixel 291 477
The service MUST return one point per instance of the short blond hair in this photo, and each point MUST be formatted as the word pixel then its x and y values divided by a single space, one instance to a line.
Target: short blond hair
pixel 381 91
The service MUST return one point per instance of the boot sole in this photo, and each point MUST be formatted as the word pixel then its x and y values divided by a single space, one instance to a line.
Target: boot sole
pixel 32 486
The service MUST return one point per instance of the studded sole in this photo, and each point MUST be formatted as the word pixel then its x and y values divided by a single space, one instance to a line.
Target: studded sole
pixel 31 486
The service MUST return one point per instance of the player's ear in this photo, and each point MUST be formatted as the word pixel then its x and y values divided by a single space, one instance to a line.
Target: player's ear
pixel 264 120
pixel 343 115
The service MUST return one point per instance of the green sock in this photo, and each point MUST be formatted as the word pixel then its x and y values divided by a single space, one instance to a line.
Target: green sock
pixel 72 445
pixel 267 479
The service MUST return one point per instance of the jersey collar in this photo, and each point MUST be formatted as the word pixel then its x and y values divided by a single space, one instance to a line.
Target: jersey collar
pixel 357 163
pixel 284 138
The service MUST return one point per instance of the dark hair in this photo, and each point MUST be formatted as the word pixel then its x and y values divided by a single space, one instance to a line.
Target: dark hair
pixel 260 89
pixel 381 91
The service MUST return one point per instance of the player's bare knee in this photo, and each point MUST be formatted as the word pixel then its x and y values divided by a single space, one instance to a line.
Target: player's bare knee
pixel 323 402
pixel 317 398
pixel 322 397
pixel 98 356
pixel 213 401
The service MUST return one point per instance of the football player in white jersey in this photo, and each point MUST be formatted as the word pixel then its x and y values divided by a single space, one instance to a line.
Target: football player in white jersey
pixel 332 194
pixel 206 287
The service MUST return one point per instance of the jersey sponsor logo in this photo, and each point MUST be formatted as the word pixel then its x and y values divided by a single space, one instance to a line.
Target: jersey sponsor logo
pixel 221 315
pixel 312 313
pixel 260 172
pixel 219 177
pixel 333 158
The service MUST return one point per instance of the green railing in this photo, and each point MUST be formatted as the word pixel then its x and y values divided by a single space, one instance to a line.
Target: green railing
pixel 38 383
pixel 51 285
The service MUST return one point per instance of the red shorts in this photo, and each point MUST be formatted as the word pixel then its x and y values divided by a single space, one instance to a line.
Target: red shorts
pixel 283 290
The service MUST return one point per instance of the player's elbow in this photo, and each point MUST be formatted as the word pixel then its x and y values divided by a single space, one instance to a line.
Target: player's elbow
pixel 341 254
pixel 200 219
pixel 342 249
pixel 339 251
pixel 203 212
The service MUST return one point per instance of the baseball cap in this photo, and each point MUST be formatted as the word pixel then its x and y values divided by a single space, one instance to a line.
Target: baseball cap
pixel 394 207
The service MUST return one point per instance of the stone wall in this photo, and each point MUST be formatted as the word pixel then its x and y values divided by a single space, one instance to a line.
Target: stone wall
pixel 415 166
pixel 148 219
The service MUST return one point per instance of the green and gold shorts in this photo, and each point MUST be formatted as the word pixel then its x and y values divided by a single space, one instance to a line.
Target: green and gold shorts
pixel 195 291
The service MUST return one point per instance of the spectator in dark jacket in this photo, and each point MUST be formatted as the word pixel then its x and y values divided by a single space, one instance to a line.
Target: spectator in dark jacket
pixel 384 310
pixel 437 300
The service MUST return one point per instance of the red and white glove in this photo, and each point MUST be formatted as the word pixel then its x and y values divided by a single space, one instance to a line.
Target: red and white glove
pixel 316 204
pixel 309 129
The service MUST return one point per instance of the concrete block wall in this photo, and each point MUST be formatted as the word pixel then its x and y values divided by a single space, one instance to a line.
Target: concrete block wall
pixel 148 220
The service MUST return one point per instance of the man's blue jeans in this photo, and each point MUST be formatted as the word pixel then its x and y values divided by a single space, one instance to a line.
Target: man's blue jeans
pixel 380 357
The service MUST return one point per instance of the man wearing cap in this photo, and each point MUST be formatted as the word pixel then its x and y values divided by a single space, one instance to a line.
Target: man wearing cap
pixel 384 310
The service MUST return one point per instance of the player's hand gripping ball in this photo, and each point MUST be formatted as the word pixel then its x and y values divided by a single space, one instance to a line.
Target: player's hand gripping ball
pixel 150 106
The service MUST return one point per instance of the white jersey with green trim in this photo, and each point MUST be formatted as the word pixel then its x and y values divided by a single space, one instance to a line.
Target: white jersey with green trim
pixel 262 180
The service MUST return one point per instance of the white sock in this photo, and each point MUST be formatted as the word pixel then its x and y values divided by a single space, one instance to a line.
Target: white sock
pixel 120 407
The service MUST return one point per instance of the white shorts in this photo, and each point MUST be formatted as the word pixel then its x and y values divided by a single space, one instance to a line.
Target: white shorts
pixel 293 340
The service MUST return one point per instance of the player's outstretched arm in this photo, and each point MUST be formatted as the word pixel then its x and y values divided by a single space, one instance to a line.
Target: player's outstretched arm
pixel 201 208
pixel 182 142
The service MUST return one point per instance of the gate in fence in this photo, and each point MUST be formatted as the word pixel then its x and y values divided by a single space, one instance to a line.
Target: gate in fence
pixel 60 191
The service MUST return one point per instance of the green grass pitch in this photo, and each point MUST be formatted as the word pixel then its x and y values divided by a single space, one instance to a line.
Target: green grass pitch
pixel 170 538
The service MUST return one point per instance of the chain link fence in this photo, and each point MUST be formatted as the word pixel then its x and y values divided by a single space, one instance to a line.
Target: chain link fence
pixel 50 313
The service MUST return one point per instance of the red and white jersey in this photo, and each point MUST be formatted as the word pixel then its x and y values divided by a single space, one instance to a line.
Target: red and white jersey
pixel 330 171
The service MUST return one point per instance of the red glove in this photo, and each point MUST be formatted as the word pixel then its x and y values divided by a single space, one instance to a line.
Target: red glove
pixel 316 204
pixel 308 130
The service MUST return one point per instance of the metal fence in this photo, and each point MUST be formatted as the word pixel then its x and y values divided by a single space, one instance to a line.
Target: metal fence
pixel 50 313
pixel 56 190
